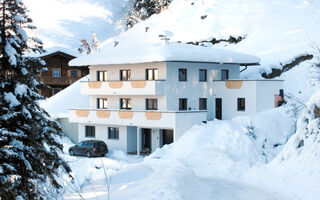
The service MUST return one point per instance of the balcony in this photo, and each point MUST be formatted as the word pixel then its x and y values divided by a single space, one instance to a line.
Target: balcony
pixel 64 80
pixel 144 87
pixel 160 119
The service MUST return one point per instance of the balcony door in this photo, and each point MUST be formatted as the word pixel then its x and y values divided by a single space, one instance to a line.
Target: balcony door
pixel 219 108
pixel 146 139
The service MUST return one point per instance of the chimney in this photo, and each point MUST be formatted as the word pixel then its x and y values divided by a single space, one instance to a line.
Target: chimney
pixel 165 37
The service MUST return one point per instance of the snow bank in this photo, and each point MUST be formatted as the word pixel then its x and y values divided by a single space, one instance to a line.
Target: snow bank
pixel 57 106
pixel 228 148
pixel 295 171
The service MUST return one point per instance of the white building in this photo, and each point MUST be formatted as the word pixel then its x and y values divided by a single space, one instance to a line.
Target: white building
pixel 151 96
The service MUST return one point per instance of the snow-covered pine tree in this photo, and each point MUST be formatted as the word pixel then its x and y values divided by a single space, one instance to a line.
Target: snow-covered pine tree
pixel 95 43
pixel 86 47
pixel 28 150
pixel 143 9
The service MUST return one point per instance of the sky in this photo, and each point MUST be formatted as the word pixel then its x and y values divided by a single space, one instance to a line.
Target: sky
pixel 65 22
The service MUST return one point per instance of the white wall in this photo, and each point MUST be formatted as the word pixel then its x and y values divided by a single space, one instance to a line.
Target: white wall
pixel 192 89
pixel 258 94
pixel 265 93
pixel 137 70
pixel 230 98
pixel 137 102
pixel 102 134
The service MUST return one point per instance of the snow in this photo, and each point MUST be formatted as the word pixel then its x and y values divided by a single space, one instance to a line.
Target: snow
pixel 57 106
pixel 275 31
pixel 11 99
pixel 21 89
pixel 158 52
pixel 11 52
pixel 207 162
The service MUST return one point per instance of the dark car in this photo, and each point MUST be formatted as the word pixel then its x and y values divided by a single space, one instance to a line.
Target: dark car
pixel 89 148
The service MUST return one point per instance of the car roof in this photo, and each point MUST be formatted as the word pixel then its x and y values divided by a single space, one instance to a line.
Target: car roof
pixel 92 141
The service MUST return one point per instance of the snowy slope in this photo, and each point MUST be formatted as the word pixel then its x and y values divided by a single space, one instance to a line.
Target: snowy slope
pixel 58 105
pixel 276 31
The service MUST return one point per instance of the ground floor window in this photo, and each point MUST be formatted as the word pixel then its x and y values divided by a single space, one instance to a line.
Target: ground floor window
pixel 90 131
pixel 241 104
pixel 202 104
pixel 113 133
pixel 56 90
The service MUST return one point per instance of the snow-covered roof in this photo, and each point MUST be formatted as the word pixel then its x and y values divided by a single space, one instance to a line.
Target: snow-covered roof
pixel 158 52
pixel 55 49
pixel 57 106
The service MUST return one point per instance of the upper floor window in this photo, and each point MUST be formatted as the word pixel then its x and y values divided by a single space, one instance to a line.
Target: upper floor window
pixel 125 103
pixel 102 103
pixel 113 133
pixel 183 104
pixel 151 74
pixel 90 131
pixel 56 73
pixel 74 73
pixel 241 104
pixel 182 74
pixel 102 75
pixel 224 74
pixel 202 75
pixel 202 104
pixel 151 104
pixel 125 75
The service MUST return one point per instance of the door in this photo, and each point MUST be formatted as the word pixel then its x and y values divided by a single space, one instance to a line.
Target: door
pixel 218 108
pixel 167 137
pixel 146 139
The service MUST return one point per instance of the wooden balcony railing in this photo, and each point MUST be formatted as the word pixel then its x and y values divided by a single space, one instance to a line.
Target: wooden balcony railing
pixel 64 80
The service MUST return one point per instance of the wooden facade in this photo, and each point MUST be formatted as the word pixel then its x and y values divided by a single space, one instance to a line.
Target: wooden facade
pixel 58 74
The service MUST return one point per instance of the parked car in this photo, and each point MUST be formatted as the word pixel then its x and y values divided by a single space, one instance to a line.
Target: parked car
pixel 89 148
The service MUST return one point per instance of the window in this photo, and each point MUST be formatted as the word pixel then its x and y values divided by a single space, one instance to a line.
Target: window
pixel 224 74
pixel 102 75
pixel 125 104
pixel 182 104
pixel 125 75
pixel 151 104
pixel 74 73
pixel 182 74
pixel 90 131
pixel 241 104
pixel 202 75
pixel 151 74
pixel 56 73
pixel 55 90
pixel 113 133
pixel 102 103
pixel 202 104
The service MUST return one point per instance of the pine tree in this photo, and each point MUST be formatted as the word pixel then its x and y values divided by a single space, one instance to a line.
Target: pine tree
pixel 28 151
pixel 143 9
pixel 86 47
